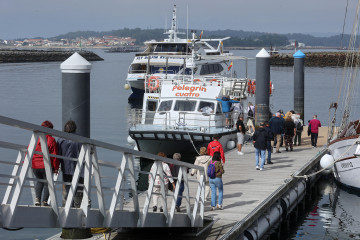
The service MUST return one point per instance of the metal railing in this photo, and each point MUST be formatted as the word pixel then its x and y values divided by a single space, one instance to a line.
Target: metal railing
pixel 190 120
pixel 94 210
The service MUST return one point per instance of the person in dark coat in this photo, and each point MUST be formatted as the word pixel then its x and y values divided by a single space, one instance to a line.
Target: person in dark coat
pixel 260 139
pixel 270 138
pixel 290 131
pixel 69 148
pixel 277 128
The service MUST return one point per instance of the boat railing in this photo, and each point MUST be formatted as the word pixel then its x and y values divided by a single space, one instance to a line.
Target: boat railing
pixel 103 201
pixel 179 121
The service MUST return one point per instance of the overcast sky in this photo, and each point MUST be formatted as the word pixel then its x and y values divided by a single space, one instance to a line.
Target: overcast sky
pixel 48 18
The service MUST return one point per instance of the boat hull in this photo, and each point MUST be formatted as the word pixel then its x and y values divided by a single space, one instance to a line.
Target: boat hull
pixel 177 142
pixel 347 165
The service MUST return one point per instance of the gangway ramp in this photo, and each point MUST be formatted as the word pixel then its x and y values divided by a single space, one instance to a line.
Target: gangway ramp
pixel 18 195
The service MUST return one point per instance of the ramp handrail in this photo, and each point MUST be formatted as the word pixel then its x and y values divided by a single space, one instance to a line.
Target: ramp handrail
pixel 116 214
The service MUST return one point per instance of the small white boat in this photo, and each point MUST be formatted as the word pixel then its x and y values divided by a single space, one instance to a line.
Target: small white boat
pixel 344 146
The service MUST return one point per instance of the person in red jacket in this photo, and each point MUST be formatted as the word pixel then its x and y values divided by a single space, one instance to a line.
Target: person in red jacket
pixel 39 168
pixel 215 146
pixel 314 129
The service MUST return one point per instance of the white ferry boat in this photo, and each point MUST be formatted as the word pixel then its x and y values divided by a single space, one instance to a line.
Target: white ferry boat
pixel 183 114
pixel 171 57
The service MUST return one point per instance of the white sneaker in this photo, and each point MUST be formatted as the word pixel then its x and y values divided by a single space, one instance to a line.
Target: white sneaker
pixel 257 168
pixel 261 169
pixel 241 153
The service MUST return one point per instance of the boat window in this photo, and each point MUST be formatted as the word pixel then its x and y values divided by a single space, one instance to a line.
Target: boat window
pixel 206 107
pixel 165 105
pixel 218 108
pixel 182 105
pixel 211 69
pixel 162 69
pixel 151 105
pixel 171 48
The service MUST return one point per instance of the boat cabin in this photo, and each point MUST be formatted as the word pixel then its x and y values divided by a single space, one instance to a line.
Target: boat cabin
pixel 184 106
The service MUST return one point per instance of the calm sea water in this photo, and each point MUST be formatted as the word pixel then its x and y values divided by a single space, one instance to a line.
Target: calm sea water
pixel 32 92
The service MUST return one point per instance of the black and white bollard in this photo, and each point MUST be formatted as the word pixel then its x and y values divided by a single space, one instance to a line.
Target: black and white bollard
pixel 262 93
pixel 76 106
pixel 76 93
pixel 299 85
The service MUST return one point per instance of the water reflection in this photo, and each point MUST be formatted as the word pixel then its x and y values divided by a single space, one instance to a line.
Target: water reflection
pixel 335 214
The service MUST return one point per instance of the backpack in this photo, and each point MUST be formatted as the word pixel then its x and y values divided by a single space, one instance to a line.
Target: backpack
pixel 211 170
pixel 299 127
pixel 250 113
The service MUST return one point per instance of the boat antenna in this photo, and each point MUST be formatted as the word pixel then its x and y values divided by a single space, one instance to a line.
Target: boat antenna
pixel 187 22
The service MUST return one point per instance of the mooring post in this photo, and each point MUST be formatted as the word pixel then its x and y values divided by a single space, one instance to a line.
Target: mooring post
pixel 262 93
pixel 299 85
pixel 76 106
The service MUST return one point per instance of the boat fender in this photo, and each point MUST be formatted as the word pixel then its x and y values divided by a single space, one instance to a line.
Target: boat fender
pixel 327 162
pixel 253 87
pixel 136 148
pixel 249 87
pixel 230 144
pixel 150 84
pixel 130 140
pixel 270 88
pixel 127 86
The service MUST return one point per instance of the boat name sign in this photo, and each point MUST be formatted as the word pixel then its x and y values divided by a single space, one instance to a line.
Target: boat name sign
pixel 195 91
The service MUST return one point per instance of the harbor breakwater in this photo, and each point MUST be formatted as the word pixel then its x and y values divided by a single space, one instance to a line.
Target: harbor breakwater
pixel 312 59
pixel 16 56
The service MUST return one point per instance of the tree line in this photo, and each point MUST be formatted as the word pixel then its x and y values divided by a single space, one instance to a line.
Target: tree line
pixel 239 38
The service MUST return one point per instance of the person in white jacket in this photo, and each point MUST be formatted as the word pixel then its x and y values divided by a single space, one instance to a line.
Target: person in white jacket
pixel 203 161
pixel 157 182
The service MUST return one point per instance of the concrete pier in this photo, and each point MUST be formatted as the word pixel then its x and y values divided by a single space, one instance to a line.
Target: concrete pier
pixel 246 189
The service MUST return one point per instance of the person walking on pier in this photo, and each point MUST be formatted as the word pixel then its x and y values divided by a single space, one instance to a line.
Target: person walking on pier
pixel 157 182
pixel 240 127
pixel 277 128
pixel 315 124
pixel 216 182
pixel 260 139
pixel 38 166
pixel 177 156
pixel 299 124
pixel 203 161
pixel 270 138
pixel 290 131
pixel 70 149
pixel 215 146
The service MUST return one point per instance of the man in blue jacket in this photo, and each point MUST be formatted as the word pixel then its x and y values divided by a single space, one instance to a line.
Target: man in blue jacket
pixel 226 107
pixel 277 128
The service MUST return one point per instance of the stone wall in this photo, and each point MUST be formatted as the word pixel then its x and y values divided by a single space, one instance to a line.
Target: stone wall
pixel 15 56
pixel 313 59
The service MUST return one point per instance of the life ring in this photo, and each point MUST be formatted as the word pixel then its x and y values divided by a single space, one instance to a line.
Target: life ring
pixel 249 87
pixel 150 83
pixel 196 80
pixel 213 80
pixel 270 87
pixel 253 87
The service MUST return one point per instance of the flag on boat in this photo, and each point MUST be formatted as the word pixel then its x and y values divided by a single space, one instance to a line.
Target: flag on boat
pixel 230 66
pixel 221 47
pixel 201 34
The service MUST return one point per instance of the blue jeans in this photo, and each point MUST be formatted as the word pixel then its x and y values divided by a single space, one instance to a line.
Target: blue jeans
pixel 216 183
pixel 257 153
pixel 179 198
